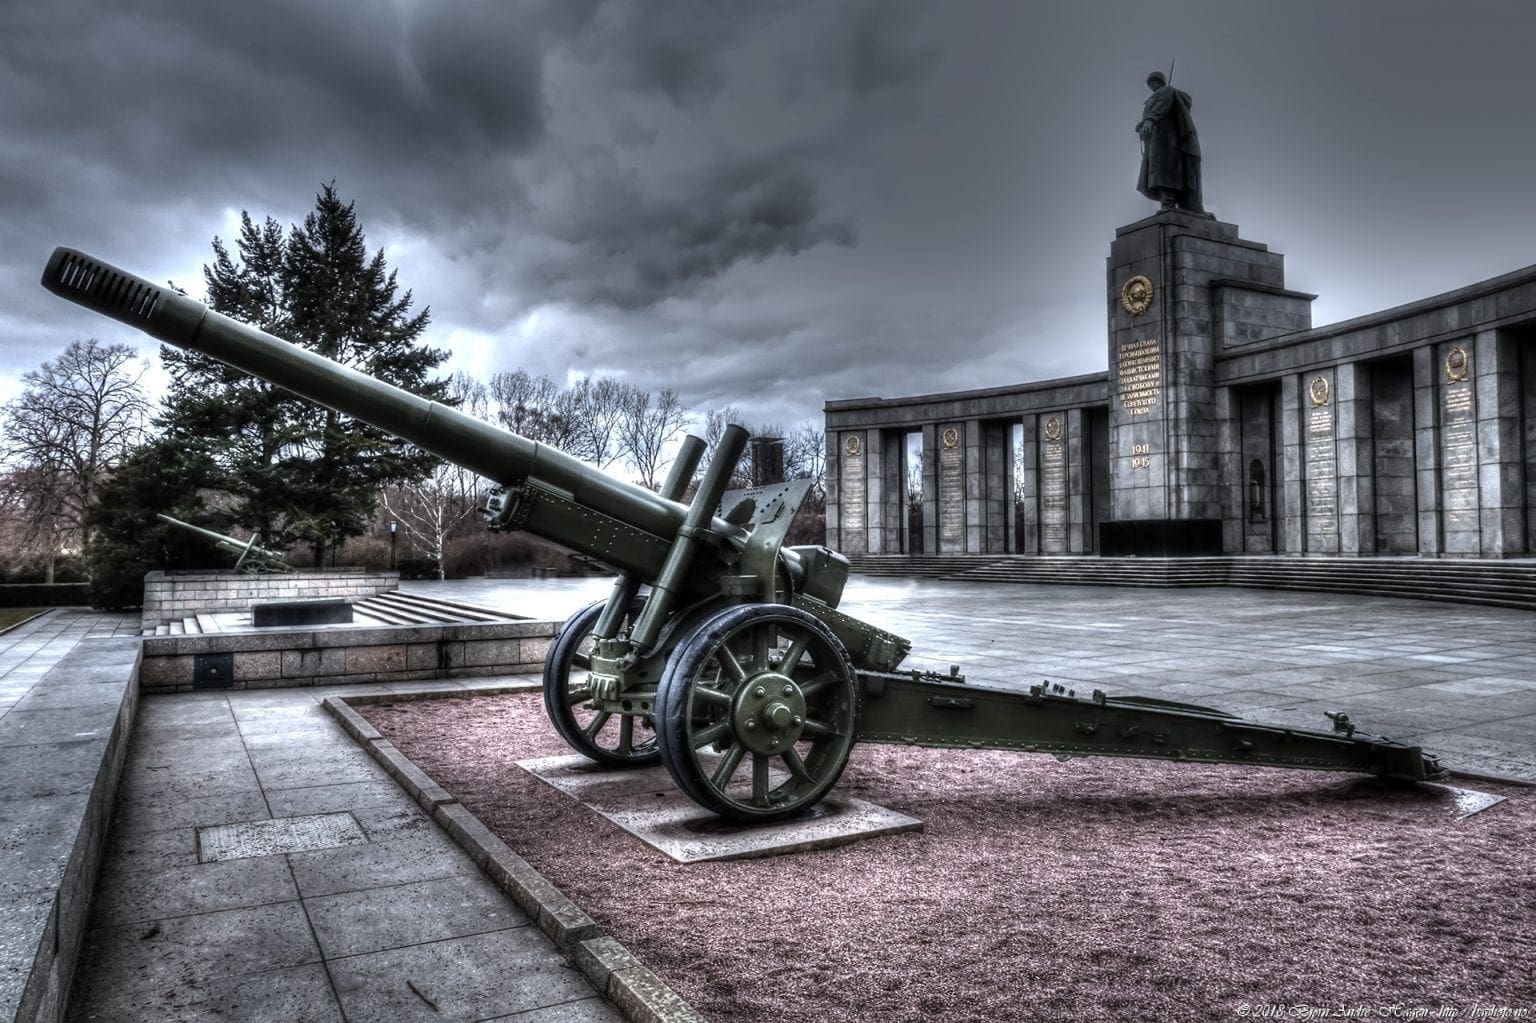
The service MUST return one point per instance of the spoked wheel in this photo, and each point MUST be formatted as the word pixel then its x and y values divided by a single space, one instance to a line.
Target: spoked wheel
pixel 613 740
pixel 757 712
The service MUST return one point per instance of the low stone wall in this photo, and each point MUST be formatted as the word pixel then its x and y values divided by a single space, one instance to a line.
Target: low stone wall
pixel 342 655
pixel 172 596
pixel 62 748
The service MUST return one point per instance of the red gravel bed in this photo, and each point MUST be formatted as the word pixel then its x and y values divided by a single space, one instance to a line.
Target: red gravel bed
pixel 1091 889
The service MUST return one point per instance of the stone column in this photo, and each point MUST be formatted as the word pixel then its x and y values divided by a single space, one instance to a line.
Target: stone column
pixel 1230 471
pixel 1426 451
pixel 975 525
pixel 1501 472
pixel 1293 523
pixel 874 489
pixel 1356 459
pixel 1527 354
pixel 996 499
pixel 1079 481
pixel 892 502
pixel 833 491
pixel 1027 460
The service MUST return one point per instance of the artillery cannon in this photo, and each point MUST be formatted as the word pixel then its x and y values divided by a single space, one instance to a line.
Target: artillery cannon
pixel 733 665
pixel 252 559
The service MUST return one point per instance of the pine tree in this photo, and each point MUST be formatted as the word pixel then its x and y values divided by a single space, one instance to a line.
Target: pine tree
pixel 304 474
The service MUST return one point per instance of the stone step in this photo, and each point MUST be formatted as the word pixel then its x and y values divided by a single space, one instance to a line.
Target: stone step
pixel 432 610
pixel 1501 584
pixel 466 612
pixel 381 614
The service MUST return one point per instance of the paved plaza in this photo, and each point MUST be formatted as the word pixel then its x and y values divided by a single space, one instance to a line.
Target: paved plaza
pixel 333 933
pixel 1459 679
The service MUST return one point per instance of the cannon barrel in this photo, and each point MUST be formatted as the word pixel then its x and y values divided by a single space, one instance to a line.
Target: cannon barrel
pixel 247 549
pixel 232 542
pixel 496 454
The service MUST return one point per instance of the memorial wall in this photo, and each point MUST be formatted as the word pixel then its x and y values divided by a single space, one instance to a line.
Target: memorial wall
pixel 1225 423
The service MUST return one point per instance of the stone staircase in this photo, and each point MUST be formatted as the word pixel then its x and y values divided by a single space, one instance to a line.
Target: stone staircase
pixel 1494 583
pixel 388 608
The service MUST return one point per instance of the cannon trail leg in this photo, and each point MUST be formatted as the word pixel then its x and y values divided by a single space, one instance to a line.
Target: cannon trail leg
pixel 1047 719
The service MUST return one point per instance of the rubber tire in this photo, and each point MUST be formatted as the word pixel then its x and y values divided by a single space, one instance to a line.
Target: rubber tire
pixel 557 673
pixel 672 709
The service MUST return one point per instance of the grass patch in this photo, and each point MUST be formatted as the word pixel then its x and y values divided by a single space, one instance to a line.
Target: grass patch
pixel 10 616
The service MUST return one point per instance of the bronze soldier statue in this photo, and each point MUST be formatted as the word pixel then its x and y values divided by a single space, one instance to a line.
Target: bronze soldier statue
pixel 1170 149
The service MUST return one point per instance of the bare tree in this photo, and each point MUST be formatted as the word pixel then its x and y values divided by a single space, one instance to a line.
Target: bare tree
pixel 646 427
pixel 715 422
pixel 532 406
pixel 805 457
pixel 602 409
pixel 75 419
pixel 431 509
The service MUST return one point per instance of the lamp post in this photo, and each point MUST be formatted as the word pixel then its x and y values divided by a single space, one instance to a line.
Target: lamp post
pixel 394 530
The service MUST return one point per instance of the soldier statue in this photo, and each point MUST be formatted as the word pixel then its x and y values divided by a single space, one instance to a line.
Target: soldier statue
pixel 1170 149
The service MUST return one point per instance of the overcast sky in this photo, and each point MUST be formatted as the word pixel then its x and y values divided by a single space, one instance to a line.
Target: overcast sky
pixel 768 204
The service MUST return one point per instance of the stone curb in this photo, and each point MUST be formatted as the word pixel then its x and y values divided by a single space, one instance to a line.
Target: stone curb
pixel 435 694
pixel 615 971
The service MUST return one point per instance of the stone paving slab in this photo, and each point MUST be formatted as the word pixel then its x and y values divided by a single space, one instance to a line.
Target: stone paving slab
pixel 1464 673
pixel 1447 676
pixel 645 802
pixel 356 931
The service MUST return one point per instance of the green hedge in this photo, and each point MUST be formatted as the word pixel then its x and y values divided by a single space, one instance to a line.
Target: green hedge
pixel 41 594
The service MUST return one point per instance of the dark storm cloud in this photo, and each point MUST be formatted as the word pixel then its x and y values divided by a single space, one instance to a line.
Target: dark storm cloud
pixel 633 249
pixel 134 126
pixel 793 200
pixel 674 49
pixel 140 126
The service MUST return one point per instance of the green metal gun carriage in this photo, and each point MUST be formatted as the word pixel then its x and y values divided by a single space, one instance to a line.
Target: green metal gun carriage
pixel 251 558
pixel 721 651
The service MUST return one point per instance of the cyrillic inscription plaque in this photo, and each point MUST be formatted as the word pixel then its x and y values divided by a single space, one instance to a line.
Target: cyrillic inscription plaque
pixel 1139 375
pixel 1053 495
pixel 1459 426
pixel 1322 473
pixel 1458 456
pixel 951 491
pixel 853 495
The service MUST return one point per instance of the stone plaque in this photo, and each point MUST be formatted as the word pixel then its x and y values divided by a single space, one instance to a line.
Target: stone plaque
pixel 1322 475
pixel 853 496
pixel 1053 495
pixel 1139 375
pixel 1458 456
pixel 951 490
pixel 1458 426
pixel 283 835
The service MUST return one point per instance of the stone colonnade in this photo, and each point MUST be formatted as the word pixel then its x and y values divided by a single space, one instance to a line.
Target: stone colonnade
pixel 1224 424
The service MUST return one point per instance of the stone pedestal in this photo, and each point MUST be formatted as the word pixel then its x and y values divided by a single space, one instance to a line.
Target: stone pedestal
pixel 1182 289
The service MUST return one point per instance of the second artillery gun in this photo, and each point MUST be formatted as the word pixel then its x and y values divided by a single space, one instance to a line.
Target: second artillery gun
pixel 252 558
pixel 721 651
